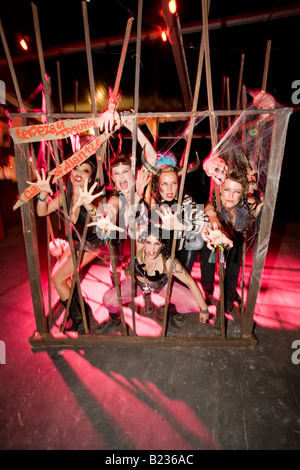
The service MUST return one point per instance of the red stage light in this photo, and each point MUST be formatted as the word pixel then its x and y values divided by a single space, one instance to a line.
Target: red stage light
pixel 164 35
pixel 172 6
pixel 23 44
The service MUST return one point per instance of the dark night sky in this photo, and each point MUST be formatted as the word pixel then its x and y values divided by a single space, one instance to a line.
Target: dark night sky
pixel 61 23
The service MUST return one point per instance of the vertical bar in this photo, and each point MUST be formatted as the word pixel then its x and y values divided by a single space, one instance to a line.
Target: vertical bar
pixel 266 67
pixel 273 177
pixel 27 212
pixel 184 169
pixel 133 158
pixel 228 100
pixel 239 87
pixel 75 97
pixel 30 240
pixel 93 101
pixel 208 72
pixel 61 107
pixel 214 143
pixel 123 56
pixel 49 110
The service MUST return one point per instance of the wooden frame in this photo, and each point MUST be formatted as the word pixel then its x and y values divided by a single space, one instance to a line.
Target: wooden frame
pixel 42 339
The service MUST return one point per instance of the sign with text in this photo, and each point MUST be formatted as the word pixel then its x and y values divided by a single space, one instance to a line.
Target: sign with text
pixel 67 165
pixel 52 131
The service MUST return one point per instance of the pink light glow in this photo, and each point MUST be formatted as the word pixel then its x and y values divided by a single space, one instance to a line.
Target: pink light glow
pixel 165 424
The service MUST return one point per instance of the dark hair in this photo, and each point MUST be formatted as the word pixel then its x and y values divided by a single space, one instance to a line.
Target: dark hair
pixel 161 235
pixel 69 191
pixel 155 186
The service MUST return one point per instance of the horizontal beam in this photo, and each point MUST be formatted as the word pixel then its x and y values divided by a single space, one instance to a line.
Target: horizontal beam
pixel 166 116
pixel 93 341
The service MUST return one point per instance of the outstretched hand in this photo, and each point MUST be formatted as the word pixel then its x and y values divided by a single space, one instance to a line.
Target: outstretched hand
pixel 104 223
pixel 168 218
pixel 214 237
pixel 42 182
pixel 86 196
pixel 108 119
pixel 142 179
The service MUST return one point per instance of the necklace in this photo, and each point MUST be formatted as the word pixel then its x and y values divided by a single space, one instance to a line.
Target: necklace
pixel 151 268
pixel 147 287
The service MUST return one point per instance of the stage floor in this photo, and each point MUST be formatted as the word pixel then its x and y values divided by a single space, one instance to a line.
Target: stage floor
pixel 153 398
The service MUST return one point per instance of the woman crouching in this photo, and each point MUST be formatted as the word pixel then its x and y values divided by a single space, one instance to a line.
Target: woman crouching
pixel 151 271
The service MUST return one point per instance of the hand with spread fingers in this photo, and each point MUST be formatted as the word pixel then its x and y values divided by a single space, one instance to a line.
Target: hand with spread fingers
pixel 214 237
pixel 86 197
pixel 42 182
pixel 169 219
pixel 143 177
pixel 104 223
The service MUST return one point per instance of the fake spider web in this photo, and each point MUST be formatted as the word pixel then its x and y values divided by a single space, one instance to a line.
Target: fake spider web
pixel 247 144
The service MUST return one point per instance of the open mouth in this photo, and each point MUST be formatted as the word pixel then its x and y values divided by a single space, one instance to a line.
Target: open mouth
pixel 218 180
pixel 78 179
pixel 123 184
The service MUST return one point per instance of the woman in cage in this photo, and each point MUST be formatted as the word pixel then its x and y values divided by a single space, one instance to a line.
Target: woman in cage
pixel 165 188
pixel 193 228
pixel 121 175
pixel 189 220
pixel 79 197
pixel 152 264
pixel 113 218
pixel 235 215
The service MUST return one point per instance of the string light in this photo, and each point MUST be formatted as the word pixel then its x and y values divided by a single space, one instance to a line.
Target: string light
pixel 172 6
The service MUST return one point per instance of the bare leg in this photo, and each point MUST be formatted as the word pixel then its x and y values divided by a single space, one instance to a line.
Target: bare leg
pixel 63 271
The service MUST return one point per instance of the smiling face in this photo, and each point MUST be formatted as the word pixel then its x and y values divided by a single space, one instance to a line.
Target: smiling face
pixel 121 176
pixel 231 193
pixel 152 247
pixel 168 185
pixel 81 173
